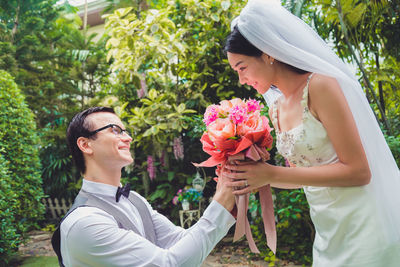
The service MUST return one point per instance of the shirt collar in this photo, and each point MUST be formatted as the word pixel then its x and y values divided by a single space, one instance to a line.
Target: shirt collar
pixel 99 188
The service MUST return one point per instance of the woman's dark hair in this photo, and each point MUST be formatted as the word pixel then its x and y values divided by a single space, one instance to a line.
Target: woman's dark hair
pixel 78 127
pixel 237 44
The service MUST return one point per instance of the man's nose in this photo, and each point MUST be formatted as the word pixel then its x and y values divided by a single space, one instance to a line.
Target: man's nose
pixel 126 137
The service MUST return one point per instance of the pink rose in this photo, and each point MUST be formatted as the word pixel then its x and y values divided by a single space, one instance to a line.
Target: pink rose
pixel 221 129
pixel 224 107
pixel 238 102
pixel 254 123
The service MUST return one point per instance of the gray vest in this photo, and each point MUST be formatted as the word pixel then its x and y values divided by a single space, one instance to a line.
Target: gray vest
pixel 85 199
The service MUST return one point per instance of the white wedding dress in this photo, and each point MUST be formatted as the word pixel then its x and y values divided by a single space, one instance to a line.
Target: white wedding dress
pixel 348 232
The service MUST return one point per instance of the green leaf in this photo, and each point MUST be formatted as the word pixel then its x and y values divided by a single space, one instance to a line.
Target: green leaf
pixel 225 5
pixel 154 28
pixel 215 17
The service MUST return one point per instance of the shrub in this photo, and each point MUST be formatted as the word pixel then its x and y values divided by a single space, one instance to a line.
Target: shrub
pixel 19 148
pixel 9 238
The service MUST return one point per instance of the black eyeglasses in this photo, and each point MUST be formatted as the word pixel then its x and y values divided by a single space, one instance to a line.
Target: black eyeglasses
pixel 115 128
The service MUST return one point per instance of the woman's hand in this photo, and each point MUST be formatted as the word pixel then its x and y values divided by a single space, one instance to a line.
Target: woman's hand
pixel 248 176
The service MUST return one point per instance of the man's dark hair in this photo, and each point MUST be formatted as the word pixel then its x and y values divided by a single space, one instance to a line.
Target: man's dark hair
pixel 78 127
pixel 236 43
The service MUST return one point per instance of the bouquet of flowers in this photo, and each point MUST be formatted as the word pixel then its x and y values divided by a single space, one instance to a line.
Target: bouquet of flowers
pixel 236 130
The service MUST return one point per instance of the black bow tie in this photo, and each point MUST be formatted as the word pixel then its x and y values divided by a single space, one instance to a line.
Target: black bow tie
pixel 123 191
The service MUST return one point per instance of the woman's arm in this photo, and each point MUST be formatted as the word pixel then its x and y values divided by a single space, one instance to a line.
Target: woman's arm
pixel 328 104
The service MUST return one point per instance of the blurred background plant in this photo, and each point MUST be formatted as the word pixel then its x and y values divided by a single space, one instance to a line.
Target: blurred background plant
pixel 189 194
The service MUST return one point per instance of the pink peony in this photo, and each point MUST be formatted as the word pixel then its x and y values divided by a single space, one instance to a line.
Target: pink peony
pixel 221 129
pixel 238 114
pixel 253 105
pixel 211 114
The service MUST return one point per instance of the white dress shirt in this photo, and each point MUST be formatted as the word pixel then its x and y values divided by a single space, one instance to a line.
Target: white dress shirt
pixel 91 237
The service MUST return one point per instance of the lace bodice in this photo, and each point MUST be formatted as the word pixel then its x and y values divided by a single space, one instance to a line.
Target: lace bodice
pixel 307 144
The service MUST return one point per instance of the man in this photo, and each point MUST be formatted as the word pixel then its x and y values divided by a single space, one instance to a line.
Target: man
pixel 113 226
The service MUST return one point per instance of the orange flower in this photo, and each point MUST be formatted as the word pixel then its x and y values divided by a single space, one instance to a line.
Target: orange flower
pixel 221 129
pixel 254 123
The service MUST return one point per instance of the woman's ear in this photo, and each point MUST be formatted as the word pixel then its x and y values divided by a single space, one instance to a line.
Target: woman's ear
pixel 267 59
pixel 84 145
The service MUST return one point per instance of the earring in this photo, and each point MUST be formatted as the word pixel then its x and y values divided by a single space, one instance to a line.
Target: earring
pixel 272 62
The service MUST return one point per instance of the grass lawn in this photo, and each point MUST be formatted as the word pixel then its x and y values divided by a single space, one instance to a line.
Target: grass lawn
pixel 40 261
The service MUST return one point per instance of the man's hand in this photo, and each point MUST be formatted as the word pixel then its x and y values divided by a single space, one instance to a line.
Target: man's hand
pixel 223 194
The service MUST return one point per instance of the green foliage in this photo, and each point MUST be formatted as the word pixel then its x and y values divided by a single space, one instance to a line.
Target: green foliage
pixel 59 174
pixel 35 45
pixel 294 227
pixel 372 29
pixel 19 148
pixel 159 120
pixel 59 69
pixel 177 49
pixel 9 238
pixel 295 230
pixel 394 145
pixel 171 50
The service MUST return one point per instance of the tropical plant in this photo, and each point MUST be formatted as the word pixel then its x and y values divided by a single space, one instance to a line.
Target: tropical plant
pixel 365 33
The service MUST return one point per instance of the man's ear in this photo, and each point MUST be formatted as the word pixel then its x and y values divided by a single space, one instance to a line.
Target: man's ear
pixel 84 145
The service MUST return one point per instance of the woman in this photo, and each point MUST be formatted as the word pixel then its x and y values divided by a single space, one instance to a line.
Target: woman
pixel 326 130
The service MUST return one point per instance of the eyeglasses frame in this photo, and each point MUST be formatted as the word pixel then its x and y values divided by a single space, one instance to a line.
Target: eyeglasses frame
pixel 111 125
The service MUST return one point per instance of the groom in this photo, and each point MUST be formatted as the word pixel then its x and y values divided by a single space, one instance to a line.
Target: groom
pixel 113 226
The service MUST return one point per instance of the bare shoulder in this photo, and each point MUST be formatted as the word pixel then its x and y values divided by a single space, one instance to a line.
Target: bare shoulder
pixel 322 84
pixel 325 92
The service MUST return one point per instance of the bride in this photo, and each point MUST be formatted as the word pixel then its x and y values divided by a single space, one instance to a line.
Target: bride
pixel 326 130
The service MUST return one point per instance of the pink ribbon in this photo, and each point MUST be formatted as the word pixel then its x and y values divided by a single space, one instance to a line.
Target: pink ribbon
pixel 267 208
pixel 247 148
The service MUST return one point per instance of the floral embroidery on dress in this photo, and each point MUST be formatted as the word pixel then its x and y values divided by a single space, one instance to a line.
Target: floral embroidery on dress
pixel 307 144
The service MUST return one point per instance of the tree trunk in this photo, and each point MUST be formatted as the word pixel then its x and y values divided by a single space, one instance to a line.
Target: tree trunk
pixel 361 66
pixel 16 22
pixel 381 99
pixel 85 14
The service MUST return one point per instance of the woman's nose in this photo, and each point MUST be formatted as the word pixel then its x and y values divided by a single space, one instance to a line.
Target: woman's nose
pixel 242 79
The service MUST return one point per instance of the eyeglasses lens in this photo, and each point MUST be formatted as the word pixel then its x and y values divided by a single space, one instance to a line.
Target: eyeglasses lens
pixel 117 130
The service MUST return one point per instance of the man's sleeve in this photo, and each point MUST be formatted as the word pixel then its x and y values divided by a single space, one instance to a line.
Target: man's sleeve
pixel 96 240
